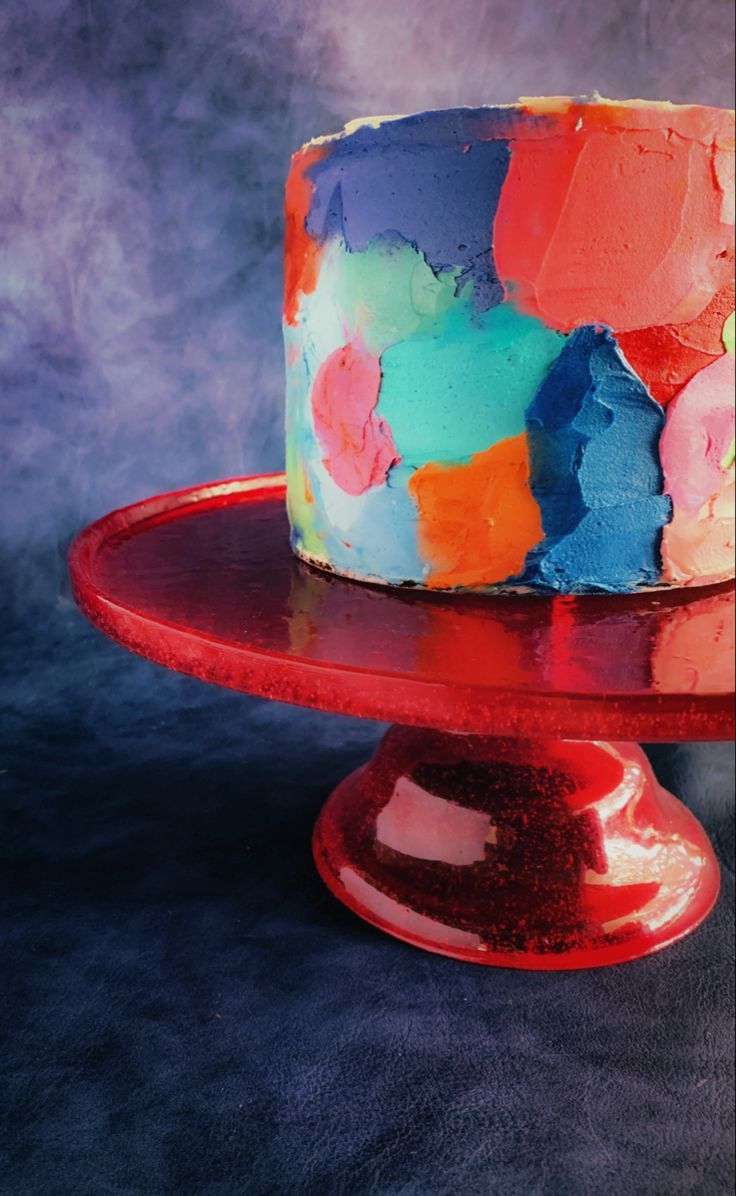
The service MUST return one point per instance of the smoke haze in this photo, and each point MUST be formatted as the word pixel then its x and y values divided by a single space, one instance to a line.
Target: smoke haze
pixel 185 1009
pixel 143 149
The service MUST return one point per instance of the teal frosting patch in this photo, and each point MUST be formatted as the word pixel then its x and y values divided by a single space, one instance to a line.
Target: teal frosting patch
pixel 489 364
pixel 378 297
pixel 388 293
pixel 453 381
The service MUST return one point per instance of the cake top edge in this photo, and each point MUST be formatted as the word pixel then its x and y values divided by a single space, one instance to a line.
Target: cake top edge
pixel 702 122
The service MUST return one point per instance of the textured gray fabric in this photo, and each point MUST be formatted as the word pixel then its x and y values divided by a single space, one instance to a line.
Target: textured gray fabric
pixel 186 1011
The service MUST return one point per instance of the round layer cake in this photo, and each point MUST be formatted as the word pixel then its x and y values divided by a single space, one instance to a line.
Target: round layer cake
pixel 509 347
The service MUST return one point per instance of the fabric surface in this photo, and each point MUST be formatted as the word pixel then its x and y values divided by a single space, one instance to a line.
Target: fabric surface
pixel 186 1011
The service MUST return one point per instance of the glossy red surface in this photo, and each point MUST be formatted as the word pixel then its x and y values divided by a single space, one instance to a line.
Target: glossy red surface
pixel 533 855
pixel 204 581
pixel 542 854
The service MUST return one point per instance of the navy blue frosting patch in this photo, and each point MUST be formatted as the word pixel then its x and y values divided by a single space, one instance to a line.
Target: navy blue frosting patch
pixel 433 179
pixel 593 432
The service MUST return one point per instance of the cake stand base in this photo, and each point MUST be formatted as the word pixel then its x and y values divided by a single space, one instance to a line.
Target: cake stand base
pixel 516 853
pixel 535 853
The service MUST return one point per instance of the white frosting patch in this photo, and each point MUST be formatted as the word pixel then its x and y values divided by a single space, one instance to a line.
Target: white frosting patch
pixel 341 510
pixel 321 322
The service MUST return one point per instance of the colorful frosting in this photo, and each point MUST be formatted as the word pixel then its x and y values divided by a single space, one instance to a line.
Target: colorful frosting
pixel 509 347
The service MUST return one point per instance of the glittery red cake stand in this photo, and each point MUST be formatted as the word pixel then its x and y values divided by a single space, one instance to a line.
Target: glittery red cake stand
pixel 494 823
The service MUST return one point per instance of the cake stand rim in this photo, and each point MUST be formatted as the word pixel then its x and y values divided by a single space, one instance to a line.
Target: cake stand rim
pixel 258 675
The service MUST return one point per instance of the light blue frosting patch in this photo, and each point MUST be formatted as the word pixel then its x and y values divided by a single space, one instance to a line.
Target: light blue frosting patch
pixel 297 379
pixel 487 363
pixel 303 458
pixel 369 534
pixel 593 431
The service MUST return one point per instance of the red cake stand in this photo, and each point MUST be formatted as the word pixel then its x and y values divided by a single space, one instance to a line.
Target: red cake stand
pixel 494 823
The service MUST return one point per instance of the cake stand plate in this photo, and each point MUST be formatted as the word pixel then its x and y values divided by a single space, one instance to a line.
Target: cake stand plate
pixel 494 823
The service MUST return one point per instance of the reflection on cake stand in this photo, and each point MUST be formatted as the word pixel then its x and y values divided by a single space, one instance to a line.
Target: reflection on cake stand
pixel 494 823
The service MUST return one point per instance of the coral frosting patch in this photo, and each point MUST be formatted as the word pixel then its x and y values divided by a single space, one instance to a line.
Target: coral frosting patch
pixel 301 251
pixel 575 241
pixel 666 358
pixel 478 519
pixel 358 449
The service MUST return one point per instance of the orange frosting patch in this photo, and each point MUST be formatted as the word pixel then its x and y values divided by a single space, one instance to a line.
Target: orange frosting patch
pixel 620 226
pixel 301 252
pixel 477 520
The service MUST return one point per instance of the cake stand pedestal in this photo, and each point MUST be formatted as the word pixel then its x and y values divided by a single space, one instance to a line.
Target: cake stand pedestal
pixel 494 823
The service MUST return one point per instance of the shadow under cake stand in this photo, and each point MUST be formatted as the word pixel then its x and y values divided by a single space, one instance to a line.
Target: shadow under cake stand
pixel 494 822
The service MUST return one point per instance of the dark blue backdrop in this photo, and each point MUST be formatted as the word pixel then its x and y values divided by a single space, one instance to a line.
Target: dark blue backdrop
pixel 184 1008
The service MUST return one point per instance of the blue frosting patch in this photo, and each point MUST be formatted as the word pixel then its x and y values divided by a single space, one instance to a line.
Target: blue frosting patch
pixel 433 179
pixel 593 431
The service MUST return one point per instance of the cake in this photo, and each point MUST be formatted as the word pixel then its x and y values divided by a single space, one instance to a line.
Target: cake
pixel 509 347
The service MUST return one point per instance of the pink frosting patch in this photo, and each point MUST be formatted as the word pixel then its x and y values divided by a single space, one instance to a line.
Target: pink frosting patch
pixel 699 541
pixel 698 432
pixel 357 445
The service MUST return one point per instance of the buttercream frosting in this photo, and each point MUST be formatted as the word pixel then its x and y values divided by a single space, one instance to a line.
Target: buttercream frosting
pixel 508 331
pixel 593 433
pixel 697 456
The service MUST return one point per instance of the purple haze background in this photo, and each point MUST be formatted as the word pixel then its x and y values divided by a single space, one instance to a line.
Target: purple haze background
pixel 143 151
pixel 186 1010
